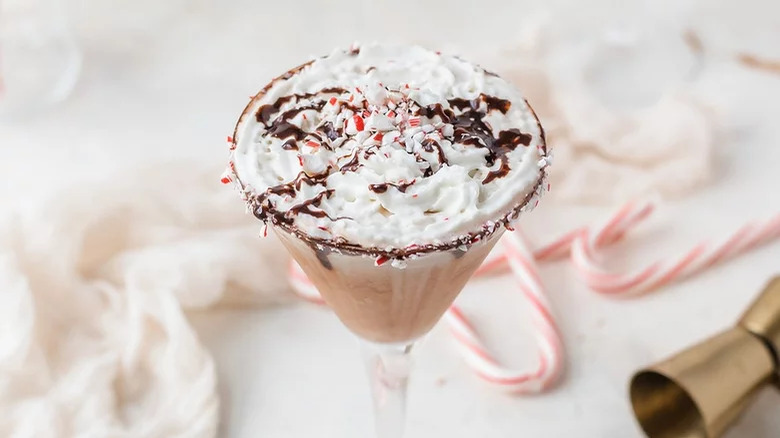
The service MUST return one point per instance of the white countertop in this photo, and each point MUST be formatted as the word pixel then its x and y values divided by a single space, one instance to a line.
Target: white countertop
pixel 292 371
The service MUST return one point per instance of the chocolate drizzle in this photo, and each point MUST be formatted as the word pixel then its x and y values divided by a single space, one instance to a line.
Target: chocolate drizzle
pixel 491 102
pixel 266 112
pixel 460 103
pixel 382 188
pixel 322 256
pixel 310 180
pixel 510 138
pixel 282 129
pixel 431 145
pixel 496 103
pixel 281 190
pixel 285 129
pixel 291 189
pixel 437 109
pixel 506 142
pixel 470 129
pixel 289 114
pixel 352 165
pixel 500 173
pixel 290 145
pixel 305 207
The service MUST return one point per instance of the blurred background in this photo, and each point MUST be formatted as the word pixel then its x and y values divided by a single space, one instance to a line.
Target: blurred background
pixel 672 99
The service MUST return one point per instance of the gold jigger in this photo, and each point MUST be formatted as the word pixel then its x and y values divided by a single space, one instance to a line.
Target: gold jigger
pixel 698 393
pixel 763 320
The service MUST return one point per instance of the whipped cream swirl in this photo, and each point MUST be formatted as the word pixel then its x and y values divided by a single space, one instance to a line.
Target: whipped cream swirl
pixel 389 149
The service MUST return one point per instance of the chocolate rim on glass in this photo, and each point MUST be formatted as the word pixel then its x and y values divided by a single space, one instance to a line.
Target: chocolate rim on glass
pixel 389 173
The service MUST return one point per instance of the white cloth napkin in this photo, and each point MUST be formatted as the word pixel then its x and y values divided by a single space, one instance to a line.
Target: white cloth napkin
pixel 93 338
pixel 606 153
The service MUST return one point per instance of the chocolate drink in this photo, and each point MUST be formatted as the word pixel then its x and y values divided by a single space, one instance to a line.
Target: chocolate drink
pixel 383 303
pixel 389 173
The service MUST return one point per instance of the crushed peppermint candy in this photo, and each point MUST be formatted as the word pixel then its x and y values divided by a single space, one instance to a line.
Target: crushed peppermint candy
pixel 358 122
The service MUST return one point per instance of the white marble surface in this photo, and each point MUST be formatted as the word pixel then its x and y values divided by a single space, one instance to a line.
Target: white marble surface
pixel 172 88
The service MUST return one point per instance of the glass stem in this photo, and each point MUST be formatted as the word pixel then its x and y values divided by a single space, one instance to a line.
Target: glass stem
pixel 388 367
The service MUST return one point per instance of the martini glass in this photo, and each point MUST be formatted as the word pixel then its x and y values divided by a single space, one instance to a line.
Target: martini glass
pixel 388 307
pixel 390 297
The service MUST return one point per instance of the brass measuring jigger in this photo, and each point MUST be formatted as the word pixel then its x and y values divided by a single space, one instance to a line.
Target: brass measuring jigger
pixel 698 393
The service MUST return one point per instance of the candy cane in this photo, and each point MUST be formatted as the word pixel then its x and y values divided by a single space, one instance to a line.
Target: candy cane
pixel 665 271
pixel 520 259
pixel 514 252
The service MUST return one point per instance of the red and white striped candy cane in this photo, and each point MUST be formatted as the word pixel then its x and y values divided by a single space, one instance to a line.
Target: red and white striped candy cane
pixel 515 252
pixel 665 271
